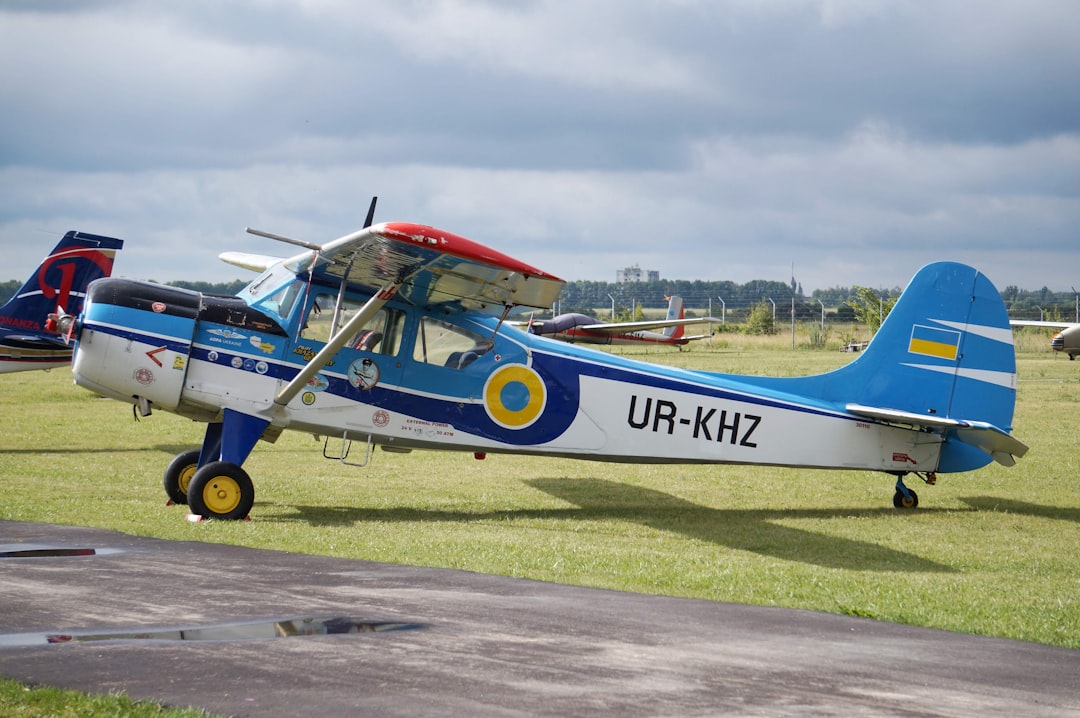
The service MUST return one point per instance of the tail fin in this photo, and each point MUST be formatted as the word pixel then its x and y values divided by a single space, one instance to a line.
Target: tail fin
pixel 943 360
pixel 945 356
pixel 675 311
pixel 60 280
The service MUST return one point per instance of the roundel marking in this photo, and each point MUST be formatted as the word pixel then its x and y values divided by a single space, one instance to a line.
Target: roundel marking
pixel 514 396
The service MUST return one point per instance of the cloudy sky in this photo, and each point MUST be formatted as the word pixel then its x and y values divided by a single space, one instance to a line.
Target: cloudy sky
pixel 706 139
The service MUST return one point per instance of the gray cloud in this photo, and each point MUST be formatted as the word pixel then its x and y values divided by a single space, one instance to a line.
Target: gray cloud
pixel 718 140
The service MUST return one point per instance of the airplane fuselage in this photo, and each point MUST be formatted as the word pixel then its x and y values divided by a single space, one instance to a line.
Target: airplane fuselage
pixel 199 355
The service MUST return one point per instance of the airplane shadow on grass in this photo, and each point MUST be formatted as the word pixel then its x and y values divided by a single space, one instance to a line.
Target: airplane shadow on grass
pixel 1023 508
pixel 49 449
pixel 741 529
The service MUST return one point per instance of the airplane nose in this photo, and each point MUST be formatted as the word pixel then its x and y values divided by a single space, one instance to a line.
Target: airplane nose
pixel 1057 342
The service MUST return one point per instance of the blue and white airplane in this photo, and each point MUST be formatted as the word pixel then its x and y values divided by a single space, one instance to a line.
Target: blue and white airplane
pixel 59 282
pixel 396 336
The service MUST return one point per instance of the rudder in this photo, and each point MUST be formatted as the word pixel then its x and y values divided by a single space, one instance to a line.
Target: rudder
pixel 60 280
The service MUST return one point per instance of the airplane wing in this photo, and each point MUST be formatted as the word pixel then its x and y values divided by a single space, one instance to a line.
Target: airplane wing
pixel 627 327
pixel 433 266
pixel 1002 446
pixel 255 262
pixel 1034 323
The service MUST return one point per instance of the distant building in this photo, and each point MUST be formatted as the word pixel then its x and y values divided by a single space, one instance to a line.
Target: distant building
pixel 636 274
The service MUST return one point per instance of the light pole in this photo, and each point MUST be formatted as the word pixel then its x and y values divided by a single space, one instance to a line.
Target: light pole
pixel 792 322
pixel 612 307
pixel 723 310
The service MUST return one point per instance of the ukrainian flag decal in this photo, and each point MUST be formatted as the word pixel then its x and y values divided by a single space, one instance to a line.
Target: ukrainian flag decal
pixel 934 342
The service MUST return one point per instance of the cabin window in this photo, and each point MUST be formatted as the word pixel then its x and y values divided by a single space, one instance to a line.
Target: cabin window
pixel 380 334
pixel 444 344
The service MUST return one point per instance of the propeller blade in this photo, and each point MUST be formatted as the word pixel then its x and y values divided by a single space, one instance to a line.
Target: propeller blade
pixel 370 213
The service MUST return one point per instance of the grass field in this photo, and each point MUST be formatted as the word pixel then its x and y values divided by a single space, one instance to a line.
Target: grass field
pixel 991 552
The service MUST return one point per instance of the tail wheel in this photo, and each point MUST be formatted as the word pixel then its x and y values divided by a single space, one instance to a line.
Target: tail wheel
pixel 908 500
pixel 178 475
pixel 221 490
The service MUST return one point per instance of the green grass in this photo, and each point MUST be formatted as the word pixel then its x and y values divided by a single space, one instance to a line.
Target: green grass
pixel 992 552
pixel 19 701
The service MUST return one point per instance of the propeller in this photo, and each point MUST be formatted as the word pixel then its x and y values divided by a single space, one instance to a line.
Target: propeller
pixel 60 322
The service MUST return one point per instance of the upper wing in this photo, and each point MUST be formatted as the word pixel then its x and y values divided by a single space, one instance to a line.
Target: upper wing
pixel 432 266
pixel 255 262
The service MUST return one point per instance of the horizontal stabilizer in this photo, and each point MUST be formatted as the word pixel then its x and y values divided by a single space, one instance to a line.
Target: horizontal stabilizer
pixel 897 416
pixel 254 262
pixel 1002 446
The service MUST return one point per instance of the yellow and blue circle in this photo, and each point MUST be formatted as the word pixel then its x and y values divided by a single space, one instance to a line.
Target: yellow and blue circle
pixel 514 396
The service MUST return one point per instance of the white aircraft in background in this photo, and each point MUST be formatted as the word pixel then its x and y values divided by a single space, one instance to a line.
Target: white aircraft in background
pixel 1067 340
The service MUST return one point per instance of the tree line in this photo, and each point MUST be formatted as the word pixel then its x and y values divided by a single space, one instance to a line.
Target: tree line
pixel 725 299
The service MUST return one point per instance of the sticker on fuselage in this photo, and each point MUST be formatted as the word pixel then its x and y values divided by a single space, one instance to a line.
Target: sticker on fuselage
pixel 363 373
pixel 514 396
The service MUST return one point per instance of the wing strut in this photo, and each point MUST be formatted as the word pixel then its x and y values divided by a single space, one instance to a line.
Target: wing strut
pixel 325 354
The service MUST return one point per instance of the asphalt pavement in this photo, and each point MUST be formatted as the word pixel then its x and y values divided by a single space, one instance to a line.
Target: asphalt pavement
pixel 246 632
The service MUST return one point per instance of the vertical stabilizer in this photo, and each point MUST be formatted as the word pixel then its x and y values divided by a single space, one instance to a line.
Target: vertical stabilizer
pixel 675 311
pixel 943 359
pixel 60 280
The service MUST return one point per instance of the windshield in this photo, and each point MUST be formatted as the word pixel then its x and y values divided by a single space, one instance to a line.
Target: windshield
pixel 275 292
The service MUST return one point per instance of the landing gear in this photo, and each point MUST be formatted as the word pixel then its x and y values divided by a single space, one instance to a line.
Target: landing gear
pixel 178 475
pixel 905 498
pixel 221 490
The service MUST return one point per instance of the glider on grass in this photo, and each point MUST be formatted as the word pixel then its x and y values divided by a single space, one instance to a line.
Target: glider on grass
pixel 59 282
pixel 396 336
pixel 583 329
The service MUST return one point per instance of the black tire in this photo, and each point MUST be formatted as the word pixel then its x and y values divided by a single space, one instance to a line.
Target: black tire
pixel 178 475
pixel 905 502
pixel 221 490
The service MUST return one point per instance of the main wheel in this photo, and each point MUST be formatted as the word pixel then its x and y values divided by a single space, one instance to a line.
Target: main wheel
pixel 178 475
pixel 900 501
pixel 221 490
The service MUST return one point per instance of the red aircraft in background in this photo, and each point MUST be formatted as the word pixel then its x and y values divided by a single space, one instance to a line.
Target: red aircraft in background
pixel 583 329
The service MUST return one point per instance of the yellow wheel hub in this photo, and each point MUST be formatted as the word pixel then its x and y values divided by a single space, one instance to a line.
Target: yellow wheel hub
pixel 185 477
pixel 221 494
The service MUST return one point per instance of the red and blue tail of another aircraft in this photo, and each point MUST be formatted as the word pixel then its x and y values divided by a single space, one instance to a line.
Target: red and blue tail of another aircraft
pixel 59 283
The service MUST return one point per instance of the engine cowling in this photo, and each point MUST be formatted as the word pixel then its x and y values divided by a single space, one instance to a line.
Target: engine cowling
pixel 134 341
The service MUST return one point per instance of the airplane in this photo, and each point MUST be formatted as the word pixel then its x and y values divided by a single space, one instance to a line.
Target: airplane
pixel 583 329
pixel 59 281
pixel 1067 340
pixel 396 336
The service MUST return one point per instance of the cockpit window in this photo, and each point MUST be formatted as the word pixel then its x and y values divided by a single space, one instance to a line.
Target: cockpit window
pixel 275 292
pixel 445 344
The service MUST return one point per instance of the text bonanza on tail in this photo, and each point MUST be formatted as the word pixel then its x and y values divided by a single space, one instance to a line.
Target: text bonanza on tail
pixel 397 336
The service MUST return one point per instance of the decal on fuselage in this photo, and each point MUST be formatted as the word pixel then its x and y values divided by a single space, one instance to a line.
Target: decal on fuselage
pixel 514 396
pixel 663 416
